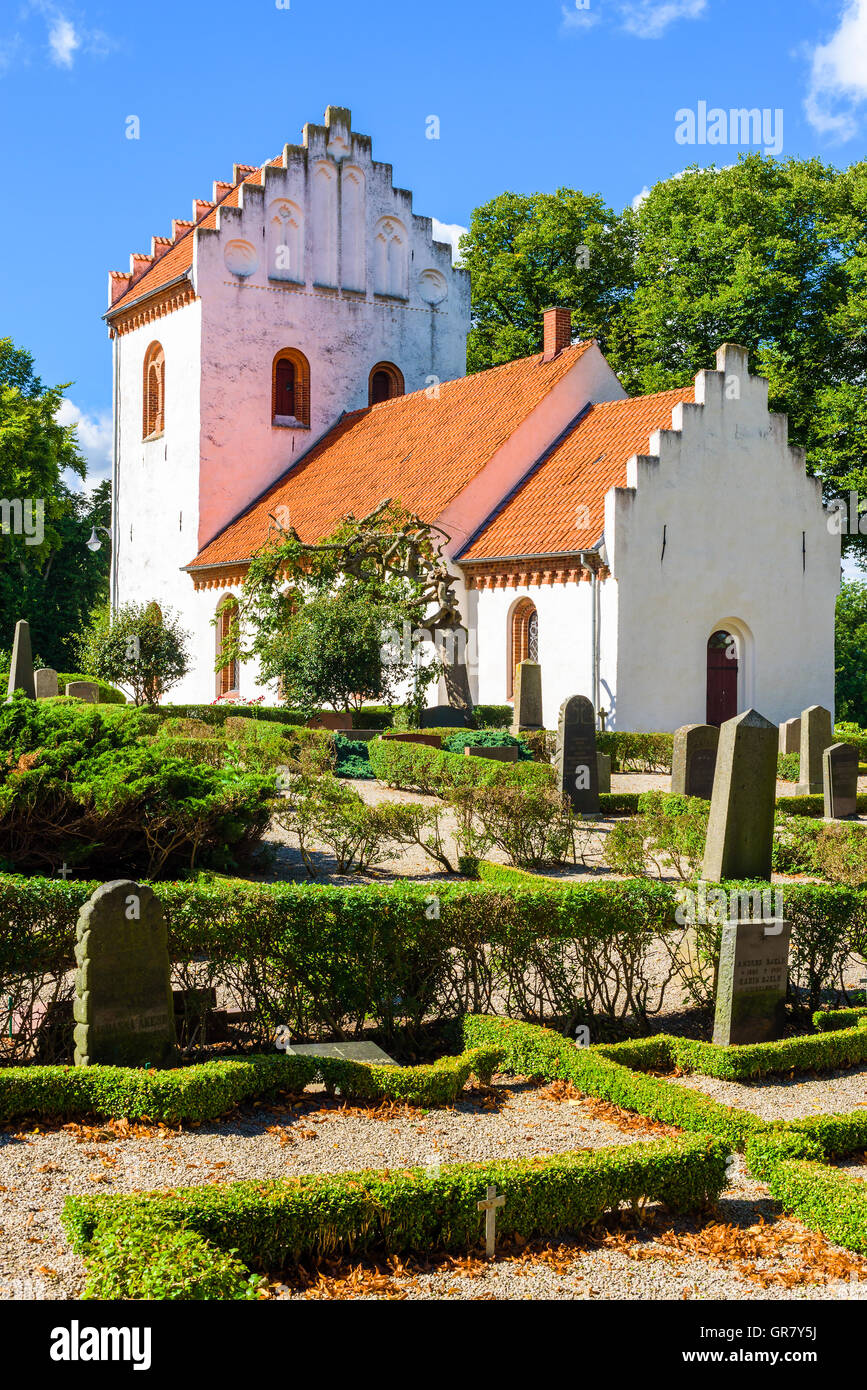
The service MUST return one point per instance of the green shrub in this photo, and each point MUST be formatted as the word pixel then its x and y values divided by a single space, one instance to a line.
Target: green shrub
pixel 270 1225
pixel 788 767
pixel 136 1256
pixel 630 752
pixel 352 758
pixel 418 767
pixel 486 738
pixel 78 787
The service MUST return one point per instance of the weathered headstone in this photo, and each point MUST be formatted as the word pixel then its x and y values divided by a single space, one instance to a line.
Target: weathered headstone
pixel 21 667
pixel 751 982
pixel 45 681
pixel 577 768
pixel 603 771
pixel 344 1051
pixel 816 736
pixel 790 736
pixel 500 755
pixel 694 760
pixel 740 828
pixel 123 1008
pixel 83 690
pixel 528 697
pixel 444 717
pixel 840 778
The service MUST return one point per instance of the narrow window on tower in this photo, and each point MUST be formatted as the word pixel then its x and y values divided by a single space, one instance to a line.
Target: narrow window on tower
pixel 290 389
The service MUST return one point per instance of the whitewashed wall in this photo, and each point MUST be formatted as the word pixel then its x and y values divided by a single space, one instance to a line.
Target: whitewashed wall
pixel 734 500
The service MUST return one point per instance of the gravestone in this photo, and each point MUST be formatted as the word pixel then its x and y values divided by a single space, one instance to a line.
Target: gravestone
pixel 500 755
pixel 84 690
pixel 694 760
pixel 790 736
pixel 344 1051
pixel 816 736
pixel 528 697
pixel 603 771
pixel 21 666
pixel 840 778
pixel 123 1008
pixel 577 768
pixel 45 681
pixel 751 983
pixel 740 829
pixel 444 717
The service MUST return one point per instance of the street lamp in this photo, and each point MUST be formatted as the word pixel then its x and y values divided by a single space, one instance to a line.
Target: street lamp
pixel 94 543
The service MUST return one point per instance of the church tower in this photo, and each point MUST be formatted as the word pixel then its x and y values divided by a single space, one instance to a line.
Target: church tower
pixel 303 289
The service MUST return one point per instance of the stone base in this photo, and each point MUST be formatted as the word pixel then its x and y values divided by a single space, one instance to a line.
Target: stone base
pixel 804 789
pixel 345 1052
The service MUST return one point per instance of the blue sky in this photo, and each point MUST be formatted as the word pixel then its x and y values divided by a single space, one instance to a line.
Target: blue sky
pixel 530 94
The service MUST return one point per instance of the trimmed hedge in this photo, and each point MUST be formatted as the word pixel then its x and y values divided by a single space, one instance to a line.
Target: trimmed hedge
pixel 826 1199
pixel 827 1052
pixel 419 767
pixel 826 1020
pixel 269 1225
pixel 211 1089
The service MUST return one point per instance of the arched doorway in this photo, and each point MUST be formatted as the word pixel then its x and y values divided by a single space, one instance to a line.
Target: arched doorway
pixel 722 678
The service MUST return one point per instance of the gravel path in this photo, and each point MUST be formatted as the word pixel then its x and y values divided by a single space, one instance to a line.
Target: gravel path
pixel 739 1252
pixel 788 1098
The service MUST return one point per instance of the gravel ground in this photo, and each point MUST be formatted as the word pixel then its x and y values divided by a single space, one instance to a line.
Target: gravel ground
pixel 788 1098
pixel 741 1251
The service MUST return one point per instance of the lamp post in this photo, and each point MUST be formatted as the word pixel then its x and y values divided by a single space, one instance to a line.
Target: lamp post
pixel 94 543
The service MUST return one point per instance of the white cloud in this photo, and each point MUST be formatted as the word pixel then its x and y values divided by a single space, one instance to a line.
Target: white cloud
pixel 640 198
pixel 838 80
pixel 580 19
pixel 94 438
pixel 649 19
pixel 63 41
pixel 450 232
pixel 644 19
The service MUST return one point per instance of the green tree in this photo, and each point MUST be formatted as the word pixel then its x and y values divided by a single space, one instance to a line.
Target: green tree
pixel 140 649
pixel 528 252
pixel 851 654
pixel 47 573
pixel 770 254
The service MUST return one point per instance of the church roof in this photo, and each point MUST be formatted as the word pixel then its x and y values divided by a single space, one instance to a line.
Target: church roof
pixel 419 449
pixel 545 515
pixel 172 258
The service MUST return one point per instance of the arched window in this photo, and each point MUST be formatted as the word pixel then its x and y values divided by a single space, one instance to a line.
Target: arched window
pixel 386 382
pixel 290 389
pixel 228 676
pixel 154 392
pixel 524 638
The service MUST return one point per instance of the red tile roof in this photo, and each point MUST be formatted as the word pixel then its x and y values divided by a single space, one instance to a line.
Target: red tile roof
pixel 177 257
pixel 418 450
pixel 542 516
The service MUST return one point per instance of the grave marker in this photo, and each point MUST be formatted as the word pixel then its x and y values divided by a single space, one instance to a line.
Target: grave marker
pixel 123 1008
pixel 21 666
pixel 45 681
pixel 444 717
pixel 740 829
pixel 528 698
pixel 84 690
pixel 603 769
pixel 816 736
pixel 790 736
pixel 489 1207
pixel 694 760
pixel 840 781
pixel 577 768
pixel 751 983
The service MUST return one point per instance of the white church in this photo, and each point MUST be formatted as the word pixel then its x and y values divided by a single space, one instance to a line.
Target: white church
pixel 296 350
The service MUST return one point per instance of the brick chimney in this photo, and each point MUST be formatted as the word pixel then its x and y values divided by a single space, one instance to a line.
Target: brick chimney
pixel 558 332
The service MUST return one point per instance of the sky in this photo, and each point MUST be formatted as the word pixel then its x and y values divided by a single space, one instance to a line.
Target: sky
pixel 530 95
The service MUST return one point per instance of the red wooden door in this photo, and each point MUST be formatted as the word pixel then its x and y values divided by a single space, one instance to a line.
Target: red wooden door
pixel 722 678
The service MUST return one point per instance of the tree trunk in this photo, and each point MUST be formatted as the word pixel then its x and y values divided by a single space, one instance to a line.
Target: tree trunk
pixel 456 676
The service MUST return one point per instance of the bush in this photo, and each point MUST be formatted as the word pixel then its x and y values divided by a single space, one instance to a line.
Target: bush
pixel 137 647
pixel 788 767
pixel 270 1225
pixel 668 833
pixel 352 758
pixel 80 788
pixel 486 738
pixel 418 767
pixel 631 752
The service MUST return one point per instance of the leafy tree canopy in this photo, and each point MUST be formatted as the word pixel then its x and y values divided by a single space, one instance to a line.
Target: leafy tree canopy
pixel 851 645
pixel 141 649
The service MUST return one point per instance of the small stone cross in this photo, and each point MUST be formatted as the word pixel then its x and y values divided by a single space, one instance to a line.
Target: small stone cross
pixel 603 715
pixel 64 871
pixel 489 1207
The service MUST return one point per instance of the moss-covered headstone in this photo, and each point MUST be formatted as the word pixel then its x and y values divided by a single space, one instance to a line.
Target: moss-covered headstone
pixel 740 831
pixel 123 1008
pixel 694 760
pixel 816 736
pixel 21 666
pixel 752 981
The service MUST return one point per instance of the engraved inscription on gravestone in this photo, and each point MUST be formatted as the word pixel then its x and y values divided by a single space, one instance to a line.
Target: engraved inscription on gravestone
pixel 123 1008
pixel 752 982
pixel 694 760
pixel 577 768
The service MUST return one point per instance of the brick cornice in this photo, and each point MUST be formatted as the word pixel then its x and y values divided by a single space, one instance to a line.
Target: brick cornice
pixel 525 574
pixel 156 306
